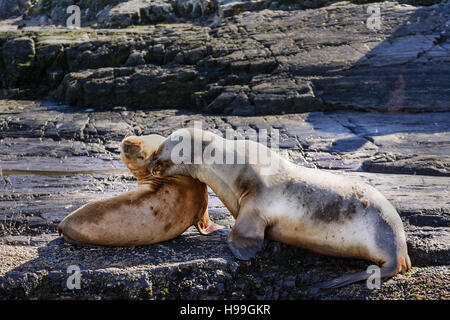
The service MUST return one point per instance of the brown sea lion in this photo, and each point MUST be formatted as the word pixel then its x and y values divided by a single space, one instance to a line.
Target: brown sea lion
pixel 158 209
pixel 300 206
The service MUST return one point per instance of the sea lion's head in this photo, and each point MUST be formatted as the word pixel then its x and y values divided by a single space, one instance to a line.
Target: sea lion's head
pixel 136 154
pixel 176 155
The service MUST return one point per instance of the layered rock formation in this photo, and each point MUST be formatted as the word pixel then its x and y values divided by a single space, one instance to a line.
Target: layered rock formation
pixel 262 62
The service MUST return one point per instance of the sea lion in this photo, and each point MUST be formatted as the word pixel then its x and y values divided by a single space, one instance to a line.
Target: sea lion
pixel 158 209
pixel 304 207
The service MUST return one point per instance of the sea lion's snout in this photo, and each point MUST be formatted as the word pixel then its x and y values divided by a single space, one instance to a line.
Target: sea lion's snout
pixel 134 155
pixel 138 153
pixel 131 148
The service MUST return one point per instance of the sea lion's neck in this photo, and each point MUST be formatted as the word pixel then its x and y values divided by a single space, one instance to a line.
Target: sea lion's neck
pixel 150 180
pixel 144 182
pixel 142 176
pixel 218 182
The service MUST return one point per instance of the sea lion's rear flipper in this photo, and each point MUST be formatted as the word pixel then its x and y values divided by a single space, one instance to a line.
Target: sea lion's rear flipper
pixel 204 225
pixel 386 271
pixel 342 280
pixel 247 236
pixel 208 228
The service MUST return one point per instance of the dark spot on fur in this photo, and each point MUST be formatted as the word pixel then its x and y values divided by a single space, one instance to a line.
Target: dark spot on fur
pixel 155 213
pixel 167 227
pixel 246 181
pixel 351 209
pixel 337 210
pixel 289 185
pixel 182 194
pixel 294 189
pixel 330 212
pixel 242 183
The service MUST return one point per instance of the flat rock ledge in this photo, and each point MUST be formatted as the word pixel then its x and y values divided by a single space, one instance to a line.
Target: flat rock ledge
pixel 54 158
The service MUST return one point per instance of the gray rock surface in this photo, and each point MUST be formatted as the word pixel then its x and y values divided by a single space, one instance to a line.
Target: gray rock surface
pixel 55 158
pixel 124 13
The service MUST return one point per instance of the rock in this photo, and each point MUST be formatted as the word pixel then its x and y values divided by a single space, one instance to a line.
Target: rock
pixel 429 246
pixel 284 61
pixel 194 8
pixel 135 58
pixel 18 55
pixel 158 11
pixel 288 95
pixel 138 12
pixel 146 83
pixel 229 8
pixel 233 100
pixel 125 14
pixel 423 165
pixel 12 8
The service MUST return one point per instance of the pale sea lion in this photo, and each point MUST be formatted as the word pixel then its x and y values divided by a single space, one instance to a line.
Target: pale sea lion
pixel 304 207
pixel 158 209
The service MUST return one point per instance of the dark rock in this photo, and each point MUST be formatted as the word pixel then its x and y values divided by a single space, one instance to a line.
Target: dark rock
pixel 435 241
pixel 13 8
pixel 18 56
pixel 423 165
pixel 229 8
pixel 296 61
pixel 233 100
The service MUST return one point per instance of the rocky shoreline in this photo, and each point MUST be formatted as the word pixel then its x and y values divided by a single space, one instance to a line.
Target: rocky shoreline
pixel 370 104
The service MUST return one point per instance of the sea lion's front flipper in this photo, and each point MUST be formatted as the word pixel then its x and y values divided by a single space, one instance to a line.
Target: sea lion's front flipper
pixel 247 236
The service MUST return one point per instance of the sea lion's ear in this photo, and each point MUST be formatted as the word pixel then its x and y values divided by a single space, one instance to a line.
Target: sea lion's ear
pixel 206 226
pixel 247 236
